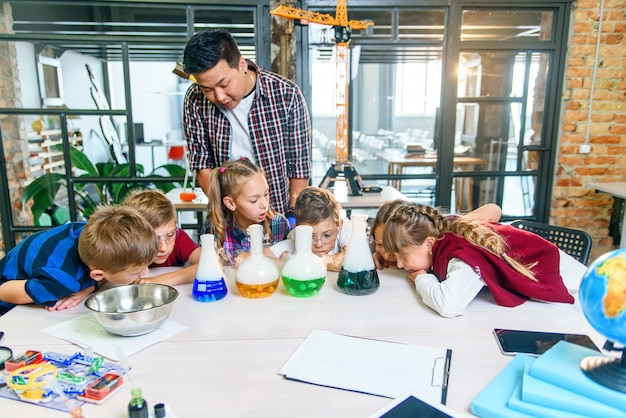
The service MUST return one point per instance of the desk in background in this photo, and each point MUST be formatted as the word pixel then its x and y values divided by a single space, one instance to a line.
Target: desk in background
pixel 226 363
pixel 618 191
pixel 160 144
pixel 397 162
pixel 198 205
pixel 348 202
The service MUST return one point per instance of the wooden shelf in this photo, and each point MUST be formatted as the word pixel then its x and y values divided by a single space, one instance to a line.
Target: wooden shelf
pixel 44 156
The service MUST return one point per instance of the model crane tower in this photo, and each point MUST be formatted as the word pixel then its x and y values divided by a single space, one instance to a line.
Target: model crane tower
pixel 343 28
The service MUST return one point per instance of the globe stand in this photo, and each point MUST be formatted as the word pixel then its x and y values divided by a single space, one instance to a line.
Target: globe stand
pixel 605 370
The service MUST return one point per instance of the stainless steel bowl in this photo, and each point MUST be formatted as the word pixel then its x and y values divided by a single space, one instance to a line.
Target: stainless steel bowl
pixel 132 310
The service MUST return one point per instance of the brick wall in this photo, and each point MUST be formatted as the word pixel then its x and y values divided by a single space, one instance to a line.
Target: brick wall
pixel 573 204
pixel 13 132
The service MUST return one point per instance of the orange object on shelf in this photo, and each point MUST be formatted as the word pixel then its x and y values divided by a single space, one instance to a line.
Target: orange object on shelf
pixel 176 153
pixel 187 196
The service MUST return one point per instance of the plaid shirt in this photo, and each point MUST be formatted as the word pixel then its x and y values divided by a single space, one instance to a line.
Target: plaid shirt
pixel 237 241
pixel 280 131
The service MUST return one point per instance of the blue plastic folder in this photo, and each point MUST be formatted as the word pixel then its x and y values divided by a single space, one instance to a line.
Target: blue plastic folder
pixel 493 401
pixel 518 392
pixel 560 366
pixel 538 392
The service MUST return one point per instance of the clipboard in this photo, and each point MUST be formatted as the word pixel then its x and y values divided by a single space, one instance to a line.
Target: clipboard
pixel 370 366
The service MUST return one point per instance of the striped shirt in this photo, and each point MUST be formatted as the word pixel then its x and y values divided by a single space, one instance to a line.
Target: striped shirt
pixel 49 262
pixel 280 131
pixel 237 241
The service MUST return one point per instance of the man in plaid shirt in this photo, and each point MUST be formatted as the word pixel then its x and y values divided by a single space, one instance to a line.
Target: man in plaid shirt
pixel 236 109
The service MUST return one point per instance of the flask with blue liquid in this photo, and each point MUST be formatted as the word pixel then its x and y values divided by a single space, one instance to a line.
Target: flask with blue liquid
pixel 209 284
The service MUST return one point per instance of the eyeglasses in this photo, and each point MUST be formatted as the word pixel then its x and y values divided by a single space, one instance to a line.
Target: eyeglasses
pixel 167 237
pixel 326 237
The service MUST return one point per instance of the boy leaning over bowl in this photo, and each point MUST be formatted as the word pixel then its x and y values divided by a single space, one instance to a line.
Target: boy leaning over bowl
pixel 60 267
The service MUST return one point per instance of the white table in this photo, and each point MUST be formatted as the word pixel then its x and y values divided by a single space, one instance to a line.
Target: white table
pixel 348 202
pixel 226 363
pixel 617 190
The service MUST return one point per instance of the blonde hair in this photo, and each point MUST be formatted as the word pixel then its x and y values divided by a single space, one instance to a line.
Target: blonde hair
pixel 116 238
pixel 153 205
pixel 227 181
pixel 315 205
pixel 412 223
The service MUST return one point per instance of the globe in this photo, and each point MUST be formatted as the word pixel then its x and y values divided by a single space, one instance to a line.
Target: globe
pixel 602 295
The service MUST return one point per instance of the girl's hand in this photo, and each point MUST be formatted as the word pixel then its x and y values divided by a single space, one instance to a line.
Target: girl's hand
pixel 379 261
pixel 413 274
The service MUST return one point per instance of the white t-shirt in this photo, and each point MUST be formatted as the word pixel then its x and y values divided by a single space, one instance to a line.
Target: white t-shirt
pixel 241 144
pixel 451 297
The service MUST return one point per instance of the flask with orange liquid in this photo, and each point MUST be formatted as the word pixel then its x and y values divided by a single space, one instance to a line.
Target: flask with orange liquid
pixel 257 275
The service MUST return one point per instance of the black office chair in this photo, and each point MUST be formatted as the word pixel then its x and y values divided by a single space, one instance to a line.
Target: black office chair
pixel 571 241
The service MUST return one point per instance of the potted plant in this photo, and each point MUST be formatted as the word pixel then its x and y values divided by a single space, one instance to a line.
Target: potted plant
pixel 43 190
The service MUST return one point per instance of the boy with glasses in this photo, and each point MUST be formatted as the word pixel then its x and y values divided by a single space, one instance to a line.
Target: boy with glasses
pixel 176 248
pixel 319 209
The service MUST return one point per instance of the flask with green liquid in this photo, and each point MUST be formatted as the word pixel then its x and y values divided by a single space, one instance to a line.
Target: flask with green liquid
pixel 304 273
pixel 358 275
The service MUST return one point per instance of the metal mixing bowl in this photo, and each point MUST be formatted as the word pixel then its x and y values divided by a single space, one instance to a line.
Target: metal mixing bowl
pixel 134 309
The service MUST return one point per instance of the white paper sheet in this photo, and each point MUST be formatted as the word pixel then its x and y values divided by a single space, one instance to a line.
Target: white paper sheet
pixel 370 366
pixel 86 332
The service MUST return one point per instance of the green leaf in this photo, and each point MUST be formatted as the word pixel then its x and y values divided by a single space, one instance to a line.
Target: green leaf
pixel 48 184
pixel 80 160
pixel 43 191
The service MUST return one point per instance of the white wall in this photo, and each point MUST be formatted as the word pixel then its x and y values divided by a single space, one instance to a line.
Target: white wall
pixel 75 93
pixel 156 101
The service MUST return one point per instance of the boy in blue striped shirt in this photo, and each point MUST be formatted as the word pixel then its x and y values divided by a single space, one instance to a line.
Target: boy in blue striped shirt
pixel 59 267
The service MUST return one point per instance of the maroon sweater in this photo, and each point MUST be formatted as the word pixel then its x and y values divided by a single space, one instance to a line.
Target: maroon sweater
pixel 509 288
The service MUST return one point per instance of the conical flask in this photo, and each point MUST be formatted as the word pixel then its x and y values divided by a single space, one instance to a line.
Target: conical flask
pixel 304 273
pixel 358 275
pixel 209 284
pixel 257 275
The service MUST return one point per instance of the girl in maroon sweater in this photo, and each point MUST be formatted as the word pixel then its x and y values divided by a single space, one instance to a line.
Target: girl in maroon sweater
pixel 450 259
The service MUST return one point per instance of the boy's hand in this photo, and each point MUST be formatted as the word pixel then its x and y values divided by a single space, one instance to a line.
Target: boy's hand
pixel 71 300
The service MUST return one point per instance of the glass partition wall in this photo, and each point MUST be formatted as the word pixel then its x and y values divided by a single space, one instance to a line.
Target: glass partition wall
pixel 453 103
pixel 452 115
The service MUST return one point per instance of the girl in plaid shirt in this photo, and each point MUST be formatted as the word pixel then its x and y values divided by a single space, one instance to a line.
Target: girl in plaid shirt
pixel 239 197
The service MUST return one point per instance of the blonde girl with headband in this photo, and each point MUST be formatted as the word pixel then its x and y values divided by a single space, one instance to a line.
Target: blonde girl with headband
pixel 239 197
pixel 451 258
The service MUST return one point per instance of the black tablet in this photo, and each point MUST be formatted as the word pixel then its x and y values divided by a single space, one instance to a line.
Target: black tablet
pixel 513 342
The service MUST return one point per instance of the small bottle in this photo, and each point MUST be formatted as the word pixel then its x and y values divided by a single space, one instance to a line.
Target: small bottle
pixel 209 284
pixel 358 275
pixel 137 407
pixel 257 275
pixel 304 273
pixel 76 412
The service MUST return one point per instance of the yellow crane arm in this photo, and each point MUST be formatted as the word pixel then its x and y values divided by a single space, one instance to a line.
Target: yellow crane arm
pixel 324 19
pixel 297 14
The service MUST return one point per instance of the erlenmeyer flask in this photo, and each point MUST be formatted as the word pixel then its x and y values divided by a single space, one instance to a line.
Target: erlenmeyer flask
pixel 257 275
pixel 209 284
pixel 358 275
pixel 304 273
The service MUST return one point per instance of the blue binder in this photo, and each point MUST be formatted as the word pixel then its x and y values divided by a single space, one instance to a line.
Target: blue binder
pixel 560 366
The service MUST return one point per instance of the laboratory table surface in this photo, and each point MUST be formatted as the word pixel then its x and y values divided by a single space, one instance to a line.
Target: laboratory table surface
pixel 226 362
